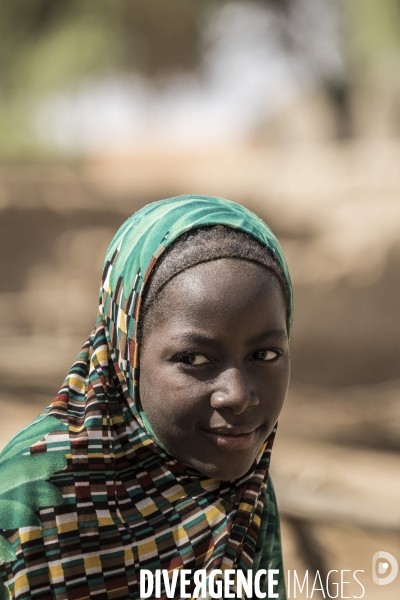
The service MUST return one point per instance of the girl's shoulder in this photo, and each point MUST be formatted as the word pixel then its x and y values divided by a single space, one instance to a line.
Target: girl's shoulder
pixel 28 461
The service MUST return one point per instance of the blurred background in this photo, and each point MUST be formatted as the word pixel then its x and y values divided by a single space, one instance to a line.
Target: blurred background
pixel 290 107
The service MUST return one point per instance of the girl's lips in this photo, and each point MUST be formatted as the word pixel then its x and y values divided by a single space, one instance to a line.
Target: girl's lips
pixel 232 441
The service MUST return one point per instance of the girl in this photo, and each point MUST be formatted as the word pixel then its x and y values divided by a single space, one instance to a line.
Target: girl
pixel 155 453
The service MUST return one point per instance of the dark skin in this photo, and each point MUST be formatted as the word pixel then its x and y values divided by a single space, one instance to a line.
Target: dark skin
pixel 214 365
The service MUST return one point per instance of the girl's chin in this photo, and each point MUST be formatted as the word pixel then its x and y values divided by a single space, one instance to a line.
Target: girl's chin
pixel 227 472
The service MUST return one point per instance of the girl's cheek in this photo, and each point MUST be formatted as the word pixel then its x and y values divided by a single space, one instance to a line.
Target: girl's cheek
pixel 186 397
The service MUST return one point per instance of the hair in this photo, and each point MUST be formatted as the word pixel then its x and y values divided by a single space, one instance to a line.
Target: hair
pixel 203 245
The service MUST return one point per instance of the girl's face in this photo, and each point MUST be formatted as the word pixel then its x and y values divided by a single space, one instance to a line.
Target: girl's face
pixel 214 365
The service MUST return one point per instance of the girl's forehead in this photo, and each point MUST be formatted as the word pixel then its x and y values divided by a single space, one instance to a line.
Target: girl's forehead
pixel 213 247
pixel 217 291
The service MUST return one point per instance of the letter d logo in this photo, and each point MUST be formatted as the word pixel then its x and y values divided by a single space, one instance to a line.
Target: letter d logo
pixel 383 566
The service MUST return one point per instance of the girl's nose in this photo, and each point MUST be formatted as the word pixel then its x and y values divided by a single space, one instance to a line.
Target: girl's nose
pixel 234 391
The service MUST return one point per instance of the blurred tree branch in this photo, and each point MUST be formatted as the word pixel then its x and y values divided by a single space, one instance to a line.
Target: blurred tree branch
pixel 152 37
pixel 46 45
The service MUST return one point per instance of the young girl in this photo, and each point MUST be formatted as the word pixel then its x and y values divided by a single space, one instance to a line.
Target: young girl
pixel 155 453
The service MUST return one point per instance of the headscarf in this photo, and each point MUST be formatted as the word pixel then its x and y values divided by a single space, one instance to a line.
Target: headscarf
pixel 87 495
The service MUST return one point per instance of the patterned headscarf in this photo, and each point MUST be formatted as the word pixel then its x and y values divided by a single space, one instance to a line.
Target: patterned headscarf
pixel 87 495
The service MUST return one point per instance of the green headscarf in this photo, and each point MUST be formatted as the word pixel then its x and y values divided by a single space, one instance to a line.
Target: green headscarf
pixel 87 496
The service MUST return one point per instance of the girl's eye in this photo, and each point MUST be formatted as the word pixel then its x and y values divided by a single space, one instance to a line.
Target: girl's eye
pixel 191 358
pixel 265 355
